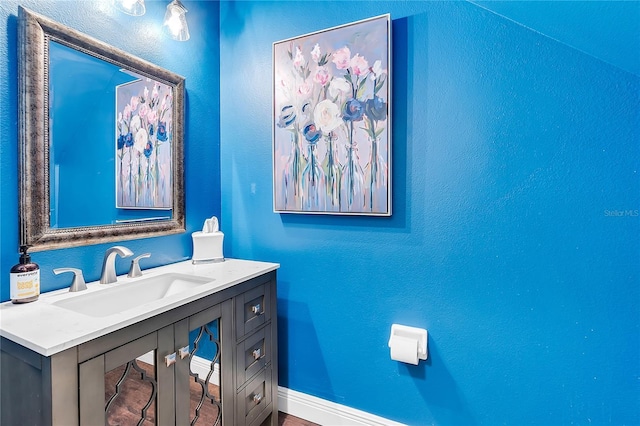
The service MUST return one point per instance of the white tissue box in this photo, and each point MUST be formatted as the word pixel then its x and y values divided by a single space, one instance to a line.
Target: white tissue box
pixel 207 247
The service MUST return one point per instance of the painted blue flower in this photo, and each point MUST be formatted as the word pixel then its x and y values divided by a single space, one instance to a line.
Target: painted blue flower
pixel 376 108
pixel 353 110
pixel 311 133
pixel 128 140
pixel 287 116
pixel 150 129
pixel 148 149
pixel 162 131
pixel 120 142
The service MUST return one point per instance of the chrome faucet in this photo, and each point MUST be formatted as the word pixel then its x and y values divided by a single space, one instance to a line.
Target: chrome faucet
pixel 108 274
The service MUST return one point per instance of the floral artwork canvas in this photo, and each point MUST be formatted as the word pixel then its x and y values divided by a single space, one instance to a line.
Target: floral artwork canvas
pixel 143 145
pixel 332 121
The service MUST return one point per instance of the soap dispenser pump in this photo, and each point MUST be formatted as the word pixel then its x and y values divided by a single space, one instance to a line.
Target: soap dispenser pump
pixel 25 279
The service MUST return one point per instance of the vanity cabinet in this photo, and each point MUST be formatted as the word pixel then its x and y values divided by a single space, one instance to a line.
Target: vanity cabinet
pixel 89 384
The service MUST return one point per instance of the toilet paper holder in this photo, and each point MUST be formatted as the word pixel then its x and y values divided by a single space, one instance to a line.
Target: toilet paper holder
pixel 414 333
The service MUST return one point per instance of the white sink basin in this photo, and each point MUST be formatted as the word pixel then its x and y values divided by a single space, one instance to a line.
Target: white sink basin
pixel 127 296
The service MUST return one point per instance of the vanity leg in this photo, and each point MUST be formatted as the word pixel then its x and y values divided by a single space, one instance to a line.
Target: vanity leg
pixel 60 386
pixel 227 368
pixel 92 395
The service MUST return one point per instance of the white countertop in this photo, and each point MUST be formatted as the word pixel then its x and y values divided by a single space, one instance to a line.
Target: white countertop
pixel 48 329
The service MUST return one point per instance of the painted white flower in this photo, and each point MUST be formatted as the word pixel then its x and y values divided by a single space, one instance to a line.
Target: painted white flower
pixel 337 86
pixel 141 139
pixel 376 69
pixel 135 123
pixel 327 116
pixel 315 53
pixel 298 60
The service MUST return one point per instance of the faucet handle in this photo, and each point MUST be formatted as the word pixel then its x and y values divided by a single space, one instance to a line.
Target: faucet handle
pixel 135 271
pixel 78 283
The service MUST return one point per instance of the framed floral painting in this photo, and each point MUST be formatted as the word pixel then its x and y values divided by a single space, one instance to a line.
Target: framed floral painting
pixel 332 121
pixel 143 145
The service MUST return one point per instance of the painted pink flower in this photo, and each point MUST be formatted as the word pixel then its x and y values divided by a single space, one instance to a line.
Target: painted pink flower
pixel 284 90
pixel 359 65
pixel 305 89
pixel 298 60
pixel 342 58
pixel 127 112
pixel 134 102
pixel 143 111
pixel 315 53
pixel 146 93
pixel 156 91
pixel 322 76
pixel 152 116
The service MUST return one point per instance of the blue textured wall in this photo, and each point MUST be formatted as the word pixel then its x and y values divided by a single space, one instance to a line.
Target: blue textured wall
pixel 515 233
pixel 513 239
pixel 197 60
pixel 605 29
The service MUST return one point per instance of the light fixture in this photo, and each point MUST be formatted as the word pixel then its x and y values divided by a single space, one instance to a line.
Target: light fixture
pixel 130 7
pixel 175 21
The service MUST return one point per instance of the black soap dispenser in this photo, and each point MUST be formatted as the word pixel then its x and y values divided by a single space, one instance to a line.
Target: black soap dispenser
pixel 25 279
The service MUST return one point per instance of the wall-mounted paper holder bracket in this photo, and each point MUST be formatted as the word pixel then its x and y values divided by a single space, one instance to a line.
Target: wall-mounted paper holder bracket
pixel 419 334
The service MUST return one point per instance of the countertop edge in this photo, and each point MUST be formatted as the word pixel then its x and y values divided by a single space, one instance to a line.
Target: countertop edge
pixel 121 320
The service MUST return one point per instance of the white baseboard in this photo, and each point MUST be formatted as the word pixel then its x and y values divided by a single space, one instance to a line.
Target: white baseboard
pixel 199 366
pixel 299 404
pixel 326 412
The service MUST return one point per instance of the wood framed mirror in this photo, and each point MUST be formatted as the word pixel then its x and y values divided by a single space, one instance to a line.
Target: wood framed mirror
pixel 101 136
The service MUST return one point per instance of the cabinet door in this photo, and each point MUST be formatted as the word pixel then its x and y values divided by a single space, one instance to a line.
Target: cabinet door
pixel 131 384
pixel 204 388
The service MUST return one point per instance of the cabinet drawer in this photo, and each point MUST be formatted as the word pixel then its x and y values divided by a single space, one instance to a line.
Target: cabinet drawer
pixel 253 309
pixel 255 398
pixel 253 354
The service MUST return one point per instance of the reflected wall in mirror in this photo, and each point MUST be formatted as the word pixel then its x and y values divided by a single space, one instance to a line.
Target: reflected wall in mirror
pixel 101 140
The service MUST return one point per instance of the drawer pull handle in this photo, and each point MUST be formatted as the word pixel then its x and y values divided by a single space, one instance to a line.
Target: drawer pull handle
pixel 256 309
pixel 257 398
pixel 184 352
pixel 170 359
pixel 257 353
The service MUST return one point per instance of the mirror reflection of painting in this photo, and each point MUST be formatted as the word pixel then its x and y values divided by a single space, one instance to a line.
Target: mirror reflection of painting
pixel 78 186
pixel 81 117
pixel 143 146
pixel 88 114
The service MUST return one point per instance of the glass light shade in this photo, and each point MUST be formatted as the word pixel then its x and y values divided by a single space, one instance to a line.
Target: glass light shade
pixel 130 7
pixel 175 21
